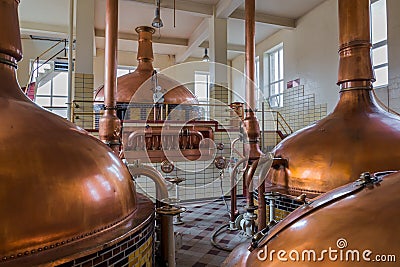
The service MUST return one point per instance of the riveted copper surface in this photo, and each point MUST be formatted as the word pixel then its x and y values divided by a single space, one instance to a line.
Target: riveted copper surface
pixel 357 136
pixel 129 84
pixel 58 183
pixel 351 218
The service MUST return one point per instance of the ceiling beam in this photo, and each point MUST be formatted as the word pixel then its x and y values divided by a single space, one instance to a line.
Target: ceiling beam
pixel 202 31
pixel 266 19
pixel 227 7
pixel 199 35
pixel 224 9
pixel 134 37
pixel 194 8
pixel 231 47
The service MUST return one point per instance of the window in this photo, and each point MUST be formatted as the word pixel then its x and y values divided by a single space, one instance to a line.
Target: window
pixel 122 70
pixel 379 42
pixel 52 92
pixel 202 86
pixel 274 81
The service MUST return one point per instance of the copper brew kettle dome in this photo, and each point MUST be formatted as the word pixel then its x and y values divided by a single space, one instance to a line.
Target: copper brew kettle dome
pixel 59 184
pixel 360 216
pixel 136 87
pixel 358 136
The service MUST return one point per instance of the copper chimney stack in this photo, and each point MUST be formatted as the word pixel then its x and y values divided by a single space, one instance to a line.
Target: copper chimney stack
pixel 358 136
pixel 129 84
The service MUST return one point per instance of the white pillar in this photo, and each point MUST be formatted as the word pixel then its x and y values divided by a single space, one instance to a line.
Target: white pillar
pixel 83 74
pixel 218 42
pixel 84 36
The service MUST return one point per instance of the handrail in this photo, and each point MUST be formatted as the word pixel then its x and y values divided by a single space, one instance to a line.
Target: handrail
pixel 383 104
pixel 32 70
pixel 281 119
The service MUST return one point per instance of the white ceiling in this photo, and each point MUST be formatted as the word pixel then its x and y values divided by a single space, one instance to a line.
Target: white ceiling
pixel 53 16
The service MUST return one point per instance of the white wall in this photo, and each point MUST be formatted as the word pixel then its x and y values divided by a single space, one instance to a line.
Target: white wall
pixel 310 53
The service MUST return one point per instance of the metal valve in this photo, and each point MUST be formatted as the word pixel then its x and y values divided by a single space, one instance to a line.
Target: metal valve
pixel 220 162
pixel 167 166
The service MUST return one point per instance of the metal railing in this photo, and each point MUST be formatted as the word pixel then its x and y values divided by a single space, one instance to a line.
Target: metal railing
pixel 274 128
pixel 37 60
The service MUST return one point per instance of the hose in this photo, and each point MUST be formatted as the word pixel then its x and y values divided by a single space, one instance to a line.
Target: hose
pixel 215 234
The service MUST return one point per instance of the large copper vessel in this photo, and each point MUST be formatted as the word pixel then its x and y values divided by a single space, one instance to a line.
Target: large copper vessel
pixel 63 193
pixel 128 85
pixel 354 225
pixel 358 136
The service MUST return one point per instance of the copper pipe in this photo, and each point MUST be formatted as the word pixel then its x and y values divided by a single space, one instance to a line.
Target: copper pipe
pixel 233 176
pixel 248 178
pixel 262 216
pixel 252 147
pixel 110 124
pixel 355 65
pixel 250 54
pixel 167 232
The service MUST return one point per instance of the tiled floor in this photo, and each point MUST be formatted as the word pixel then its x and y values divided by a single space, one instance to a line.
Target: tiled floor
pixel 201 220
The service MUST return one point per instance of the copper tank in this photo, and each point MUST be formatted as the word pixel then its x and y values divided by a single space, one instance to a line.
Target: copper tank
pixel 358 136
pixel 62 191
pixel 347 222
pixel 128 85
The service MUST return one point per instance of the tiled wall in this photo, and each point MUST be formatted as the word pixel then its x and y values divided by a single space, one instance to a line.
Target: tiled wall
pixel 219 93
pixel 299 109
pixel 83 91
pixel 283 207
pixel 136 250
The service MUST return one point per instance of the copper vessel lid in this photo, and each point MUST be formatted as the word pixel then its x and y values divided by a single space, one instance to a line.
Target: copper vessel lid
pixel 137 86
pixel 59 184
pixel 360 216
pixel 358 136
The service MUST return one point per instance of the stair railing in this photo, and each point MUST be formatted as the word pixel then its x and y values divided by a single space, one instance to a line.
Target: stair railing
pixel 37 60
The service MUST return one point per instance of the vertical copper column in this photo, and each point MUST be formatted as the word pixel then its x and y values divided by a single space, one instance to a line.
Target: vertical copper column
pixel 250 122
pixel 355 66
pixel 252 148
pixel 110 124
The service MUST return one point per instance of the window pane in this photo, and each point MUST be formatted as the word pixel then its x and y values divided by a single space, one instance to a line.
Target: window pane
pixel 44 89
pixel 43 101
pixel 121 72
pixel 379 21
pixel 59 101
pixel 381 75
pixel 201 86
pixel 60 112
pixel 60 84
pixel 380 55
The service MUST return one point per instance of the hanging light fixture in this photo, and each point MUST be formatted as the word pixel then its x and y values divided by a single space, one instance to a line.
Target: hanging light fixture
pixel 206 58
pixel 157 22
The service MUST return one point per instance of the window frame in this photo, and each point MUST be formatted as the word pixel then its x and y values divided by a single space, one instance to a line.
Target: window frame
pixel 268 56
pixel 378 45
